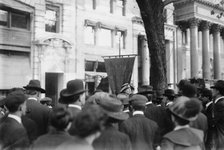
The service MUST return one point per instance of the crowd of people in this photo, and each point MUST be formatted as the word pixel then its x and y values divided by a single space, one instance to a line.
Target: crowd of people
pixel 191 118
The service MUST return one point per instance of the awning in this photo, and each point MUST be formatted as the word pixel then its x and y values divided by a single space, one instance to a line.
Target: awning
pixel 16 5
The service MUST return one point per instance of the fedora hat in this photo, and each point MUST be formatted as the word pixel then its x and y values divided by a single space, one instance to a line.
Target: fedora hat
pixel 145 89
pixel 169 92
pixel 34 85
pixel 186 108
pixel 74 87
pixel 219 85
pixel 112 106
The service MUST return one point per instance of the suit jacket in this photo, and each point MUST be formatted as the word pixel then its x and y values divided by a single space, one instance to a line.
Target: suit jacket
pixel 183 139
pixel 51 140
pixel 39 114
pixel 216 124
pixel 74 112
pixel 141 131
pixel 161 116
pixel 12 134
pixel 112 139
pixel 200 123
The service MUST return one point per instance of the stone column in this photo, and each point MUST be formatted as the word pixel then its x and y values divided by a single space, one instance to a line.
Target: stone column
pixel 179 55
pixel 145 61
pixel 205 50
pixel 216 51
pixel 194 46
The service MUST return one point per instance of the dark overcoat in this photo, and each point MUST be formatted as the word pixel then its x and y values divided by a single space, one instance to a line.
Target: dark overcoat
pixel 39 114
pixel 112 139
pixel 74 112
pixel 141 131
pixel 12 134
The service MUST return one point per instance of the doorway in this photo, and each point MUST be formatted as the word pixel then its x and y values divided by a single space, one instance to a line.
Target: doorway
pixel 53 86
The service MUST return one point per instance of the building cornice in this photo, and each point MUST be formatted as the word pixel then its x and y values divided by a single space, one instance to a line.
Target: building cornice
pixel 204 2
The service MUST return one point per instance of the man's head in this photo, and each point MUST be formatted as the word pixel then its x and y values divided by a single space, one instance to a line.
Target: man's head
pixel 73 93
pixel 33 89
pixel 16 103
pixel 218 88
pixel 138 102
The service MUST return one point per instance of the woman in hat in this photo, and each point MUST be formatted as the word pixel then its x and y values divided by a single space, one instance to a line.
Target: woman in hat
pixel 183 111
pixel 111 138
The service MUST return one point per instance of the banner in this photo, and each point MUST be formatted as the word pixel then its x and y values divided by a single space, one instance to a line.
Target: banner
pixel 119 71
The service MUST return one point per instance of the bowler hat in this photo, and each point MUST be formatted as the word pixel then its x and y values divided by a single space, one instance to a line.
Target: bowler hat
pixel 112 106
pixel 186 108
pixel 169 92
pixel 219 85
pixel 34 85
pixel 74 87
pixel 138 100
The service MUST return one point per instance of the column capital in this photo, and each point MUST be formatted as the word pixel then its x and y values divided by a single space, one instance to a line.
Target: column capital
pixel 183 25
pixel 215 28
pixel 205 25
pixel 193 22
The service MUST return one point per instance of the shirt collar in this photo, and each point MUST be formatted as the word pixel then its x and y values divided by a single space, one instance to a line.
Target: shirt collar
pixel 138 113
pixel 17 118
pixel 148 103
pixel 181 127
pixel 32 98
pixel 75 106
pixel 216 100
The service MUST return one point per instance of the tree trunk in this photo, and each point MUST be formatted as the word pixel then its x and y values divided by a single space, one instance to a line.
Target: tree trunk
pixel 153 19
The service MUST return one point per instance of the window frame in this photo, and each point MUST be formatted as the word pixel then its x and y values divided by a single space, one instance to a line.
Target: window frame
pixel 58 9
pixel 17 12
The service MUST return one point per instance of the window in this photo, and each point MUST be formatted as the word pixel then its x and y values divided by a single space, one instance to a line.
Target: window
pixel 19 20
pixel 120 7
pixel 3 18
pixel 89 34
pixel 120 39
pixel 15 19
pixel 105 37
pixel 52 18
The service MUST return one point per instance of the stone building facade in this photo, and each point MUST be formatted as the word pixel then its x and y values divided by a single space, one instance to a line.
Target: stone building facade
pixel 59 40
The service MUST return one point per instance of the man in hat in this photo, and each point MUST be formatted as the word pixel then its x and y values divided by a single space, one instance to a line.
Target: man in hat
pixel 73 97
pixel 142 131
pixel 110 137
pixel 12 132
pixel 183 111
pixel 36 111
pixel 46 101
pixel 169 94
pixel 215 114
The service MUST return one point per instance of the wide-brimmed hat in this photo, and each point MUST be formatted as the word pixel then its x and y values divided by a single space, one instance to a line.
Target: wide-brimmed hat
pixel 34 85
pixel 112 106
pixel 186 108
pixel 145 89
pixel 169 93
pixel 74 87
pixel 219 85
pixel 138 100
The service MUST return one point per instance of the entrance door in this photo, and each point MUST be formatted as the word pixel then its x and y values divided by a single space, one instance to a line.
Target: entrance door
pixel 53 86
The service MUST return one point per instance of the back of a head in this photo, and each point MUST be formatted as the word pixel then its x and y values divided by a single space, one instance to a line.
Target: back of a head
pixel 14 100
pixel 189 90
pixel 90 120
pixel 60 117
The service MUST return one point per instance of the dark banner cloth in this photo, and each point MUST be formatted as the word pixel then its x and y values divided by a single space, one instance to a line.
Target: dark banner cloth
pixel 119 71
